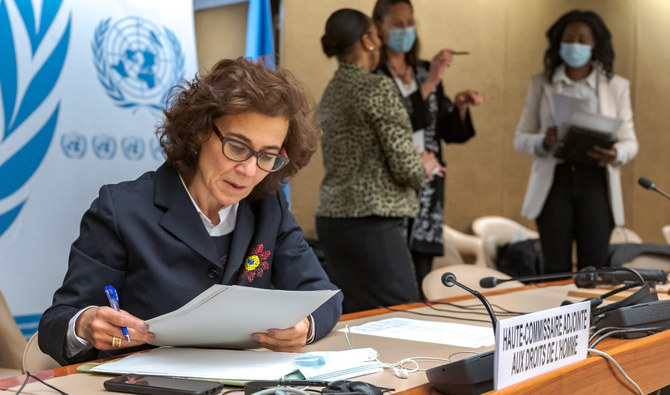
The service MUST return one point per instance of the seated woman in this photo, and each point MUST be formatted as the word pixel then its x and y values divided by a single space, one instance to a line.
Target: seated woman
pixel 213 213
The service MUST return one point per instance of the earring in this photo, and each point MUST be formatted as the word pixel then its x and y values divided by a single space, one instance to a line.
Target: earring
pixel 371 48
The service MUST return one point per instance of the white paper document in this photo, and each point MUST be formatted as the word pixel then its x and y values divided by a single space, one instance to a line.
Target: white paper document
pixel 226 316
pixel 569 111
pixel 418 140
pixel 428 331
pixel 204 363
pixel 596 122
pixel 564 107
pixel 243 365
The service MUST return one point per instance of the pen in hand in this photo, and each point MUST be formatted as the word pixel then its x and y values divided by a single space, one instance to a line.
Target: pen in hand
pixel 460 53
pixel 113 298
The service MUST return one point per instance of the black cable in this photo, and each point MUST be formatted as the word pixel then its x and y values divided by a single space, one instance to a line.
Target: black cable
pixel 651 330
pixel 28 376
pixel 438 315
pixel 478 306
pixel 470 312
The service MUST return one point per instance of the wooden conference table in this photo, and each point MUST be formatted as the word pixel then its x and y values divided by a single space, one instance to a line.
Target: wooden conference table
pixel 644 359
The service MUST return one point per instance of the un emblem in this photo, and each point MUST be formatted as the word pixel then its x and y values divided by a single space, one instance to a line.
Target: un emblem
pixel 133 147
pixel 104 146
pixel 137 62
pixel 73 145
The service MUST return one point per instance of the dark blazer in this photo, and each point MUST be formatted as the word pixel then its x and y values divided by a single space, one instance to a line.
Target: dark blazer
pixel 146 238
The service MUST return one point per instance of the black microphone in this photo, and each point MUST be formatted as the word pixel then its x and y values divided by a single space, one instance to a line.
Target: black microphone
pixel 647 184
pixel 491 282
pixel 589 277
pixel 472 375
pixel 624 277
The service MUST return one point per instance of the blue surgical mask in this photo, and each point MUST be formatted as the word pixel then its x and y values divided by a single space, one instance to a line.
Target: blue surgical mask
pixel 575 55
pixel 402 40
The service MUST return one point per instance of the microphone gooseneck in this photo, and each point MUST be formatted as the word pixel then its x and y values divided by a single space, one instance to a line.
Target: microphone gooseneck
pixel 449 280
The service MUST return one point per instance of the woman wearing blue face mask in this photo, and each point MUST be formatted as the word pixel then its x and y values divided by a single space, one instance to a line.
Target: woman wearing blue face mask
pixel 434 118
pixel 570 201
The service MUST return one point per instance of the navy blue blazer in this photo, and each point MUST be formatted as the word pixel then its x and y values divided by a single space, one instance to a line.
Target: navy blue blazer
pixel 146 238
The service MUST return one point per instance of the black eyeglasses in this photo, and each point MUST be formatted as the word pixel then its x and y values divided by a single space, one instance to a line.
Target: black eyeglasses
pixel 238 151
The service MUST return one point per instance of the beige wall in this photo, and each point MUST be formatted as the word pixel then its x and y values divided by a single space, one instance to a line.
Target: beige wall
pixel 506 41
pixel 219 33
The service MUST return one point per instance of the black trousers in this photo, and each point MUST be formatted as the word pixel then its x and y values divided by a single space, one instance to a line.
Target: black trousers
pixel 577 208
pixel 423 263
pixel 369 260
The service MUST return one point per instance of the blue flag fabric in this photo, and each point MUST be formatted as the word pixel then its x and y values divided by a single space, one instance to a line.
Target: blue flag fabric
pixel 259 33
pixel 260 42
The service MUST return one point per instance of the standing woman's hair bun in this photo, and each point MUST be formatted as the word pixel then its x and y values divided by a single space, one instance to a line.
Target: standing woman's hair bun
pixel 343 29
pixel 329 48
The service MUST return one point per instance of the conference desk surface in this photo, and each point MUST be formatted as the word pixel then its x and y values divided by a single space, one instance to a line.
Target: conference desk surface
pixel 643 358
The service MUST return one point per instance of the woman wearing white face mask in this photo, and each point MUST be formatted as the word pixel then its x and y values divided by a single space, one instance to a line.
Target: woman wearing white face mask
pixel 569 201
pixel 434 118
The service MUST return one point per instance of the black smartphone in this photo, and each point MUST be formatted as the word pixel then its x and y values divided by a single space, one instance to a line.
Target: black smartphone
pixel 144 384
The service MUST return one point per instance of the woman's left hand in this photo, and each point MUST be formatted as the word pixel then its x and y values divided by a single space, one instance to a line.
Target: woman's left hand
pixel 286 340
pixel 604 155
pixel 468 98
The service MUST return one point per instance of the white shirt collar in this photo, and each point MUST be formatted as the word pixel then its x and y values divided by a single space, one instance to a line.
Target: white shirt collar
pixel 227 216
pixel 590 80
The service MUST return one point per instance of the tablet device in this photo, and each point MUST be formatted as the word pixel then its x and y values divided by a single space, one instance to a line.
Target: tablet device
pixel 145 384
pixel 578 141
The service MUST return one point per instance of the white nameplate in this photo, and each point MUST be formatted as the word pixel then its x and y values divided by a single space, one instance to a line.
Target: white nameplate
pixel 533 344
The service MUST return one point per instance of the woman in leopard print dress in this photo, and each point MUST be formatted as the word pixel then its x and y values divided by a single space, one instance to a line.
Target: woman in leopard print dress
pixel 372 172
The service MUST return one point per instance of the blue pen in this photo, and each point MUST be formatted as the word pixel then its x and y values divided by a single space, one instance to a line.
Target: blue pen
pixel 113 298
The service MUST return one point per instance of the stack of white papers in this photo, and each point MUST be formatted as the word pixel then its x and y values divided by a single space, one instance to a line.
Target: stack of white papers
pixel 241 365
pixel 572 111
pixel 449 333
pixel 226 316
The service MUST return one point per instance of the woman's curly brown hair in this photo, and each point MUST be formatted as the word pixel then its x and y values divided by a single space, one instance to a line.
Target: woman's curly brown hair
pixel 235 87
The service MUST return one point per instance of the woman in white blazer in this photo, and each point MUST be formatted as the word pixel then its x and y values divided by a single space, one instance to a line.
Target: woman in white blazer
pixel 570 201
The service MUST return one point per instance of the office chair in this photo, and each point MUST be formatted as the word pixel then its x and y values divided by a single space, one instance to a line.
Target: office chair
pixel 666 233
pixel 34 360
pixel 624 235
pixel 501 227
pixel 469 275
pixel 12 342
pixel 462 245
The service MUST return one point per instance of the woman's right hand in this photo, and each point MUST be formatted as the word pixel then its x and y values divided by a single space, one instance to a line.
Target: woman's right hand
pixel 99 325
pixel 432 165
pixel 550 138
pixel 438 64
